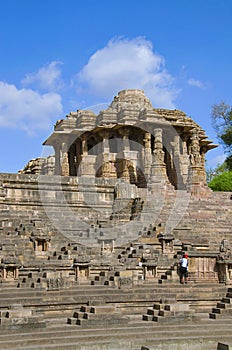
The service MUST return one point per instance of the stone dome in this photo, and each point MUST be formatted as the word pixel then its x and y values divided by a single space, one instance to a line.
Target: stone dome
pixel 131 98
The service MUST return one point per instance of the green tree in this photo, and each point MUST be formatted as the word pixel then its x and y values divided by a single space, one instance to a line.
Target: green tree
pixel 212 172
pixel 222 182
pixel 222 124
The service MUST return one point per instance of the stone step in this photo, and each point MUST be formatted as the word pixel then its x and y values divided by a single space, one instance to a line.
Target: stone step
pixel 219 313
pixel 72 321
pixel 64 338
pixel 226 300
pixel 216 310
pixel 105 309
pixel 95 320
pixel 182 292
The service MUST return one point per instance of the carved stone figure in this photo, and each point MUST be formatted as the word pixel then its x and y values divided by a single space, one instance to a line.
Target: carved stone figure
pixel 225 250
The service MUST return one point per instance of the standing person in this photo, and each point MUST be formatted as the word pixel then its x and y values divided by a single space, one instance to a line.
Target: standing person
pixel 184 269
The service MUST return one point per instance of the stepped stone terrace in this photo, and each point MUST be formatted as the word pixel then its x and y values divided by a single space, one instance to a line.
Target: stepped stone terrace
pixel 91 237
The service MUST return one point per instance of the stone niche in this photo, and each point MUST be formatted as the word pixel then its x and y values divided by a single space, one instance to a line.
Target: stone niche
pixel 82 271
pixel 107 245
pixel 149 271
pixel 82 268
pixel 9 269
pixel 166 240
pixel 149 264
pixel 40 244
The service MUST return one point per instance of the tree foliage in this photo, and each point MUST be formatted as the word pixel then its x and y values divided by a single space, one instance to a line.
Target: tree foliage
pixel 222 182
pixel 222 124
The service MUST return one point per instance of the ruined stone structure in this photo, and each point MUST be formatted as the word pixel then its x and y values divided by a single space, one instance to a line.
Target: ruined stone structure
pixel 130 140
pixel 91 236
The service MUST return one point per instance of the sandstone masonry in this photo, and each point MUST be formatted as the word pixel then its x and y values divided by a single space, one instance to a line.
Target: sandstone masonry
pixel 91 236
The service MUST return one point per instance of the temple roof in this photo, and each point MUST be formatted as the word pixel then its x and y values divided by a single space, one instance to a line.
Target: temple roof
pixel 129 107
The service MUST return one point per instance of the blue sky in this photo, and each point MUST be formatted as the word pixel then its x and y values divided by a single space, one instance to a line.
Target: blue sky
pixel 58 56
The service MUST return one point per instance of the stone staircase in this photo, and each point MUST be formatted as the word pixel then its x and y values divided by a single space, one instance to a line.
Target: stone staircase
pixel 111 278
pixel 87 315
pixel 211 212
pixel 169 275
pixel 169 312
pixel 202 336
pixel 224 307
pixel 39 310
pixel 95 316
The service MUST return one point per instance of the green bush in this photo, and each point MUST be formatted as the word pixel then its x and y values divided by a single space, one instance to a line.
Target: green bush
pixel 222 182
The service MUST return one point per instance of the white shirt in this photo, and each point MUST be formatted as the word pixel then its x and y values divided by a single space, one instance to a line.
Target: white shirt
pixel 184 262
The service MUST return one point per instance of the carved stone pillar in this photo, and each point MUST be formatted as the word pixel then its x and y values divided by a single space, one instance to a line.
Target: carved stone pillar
pixel 105 160
pixel 64 160
pixel 126 167
pixel 78 154
pixel 125 137
pixel 72 160
pixel 147 154
pixel 203 171
pixel 174 163
pixel 158 153
pixel 123 170
pixel 197 179
pixel 105 141
pixel 176 146
pixel 84 146
pixel 158 167
pixel 106 169
pixel 57 159
pixel 194 151
pixel 184 158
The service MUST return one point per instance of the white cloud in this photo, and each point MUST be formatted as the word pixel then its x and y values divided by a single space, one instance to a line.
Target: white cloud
pixel 48 77
pixel 197 83
pixel 26 109
pixel 124 64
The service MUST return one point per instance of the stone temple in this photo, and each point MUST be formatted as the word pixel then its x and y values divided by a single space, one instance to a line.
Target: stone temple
pixel 92 236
